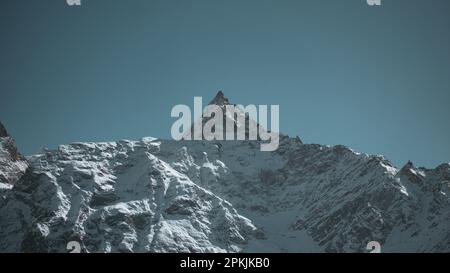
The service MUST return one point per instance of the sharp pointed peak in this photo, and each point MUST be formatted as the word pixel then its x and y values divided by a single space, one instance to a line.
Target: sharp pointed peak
pixel 3 132
pixel 408 166
pixel 220 99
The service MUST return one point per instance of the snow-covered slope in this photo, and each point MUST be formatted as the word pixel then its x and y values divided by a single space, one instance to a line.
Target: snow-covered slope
pixel 209 196
pixel 307 197
pixel 116 197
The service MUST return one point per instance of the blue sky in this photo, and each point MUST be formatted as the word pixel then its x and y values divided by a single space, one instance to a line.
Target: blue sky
pixel 372 78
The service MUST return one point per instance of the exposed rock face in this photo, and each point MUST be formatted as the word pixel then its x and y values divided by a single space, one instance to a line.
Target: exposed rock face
pixel 12 163
pixel 214 196
pixel 239 119
pixel 220 99
pixel 3 132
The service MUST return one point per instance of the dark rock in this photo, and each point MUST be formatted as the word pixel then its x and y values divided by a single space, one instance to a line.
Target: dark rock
pixel 3 132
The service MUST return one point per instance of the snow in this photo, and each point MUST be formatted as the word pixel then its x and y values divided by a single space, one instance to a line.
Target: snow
pixel 155 195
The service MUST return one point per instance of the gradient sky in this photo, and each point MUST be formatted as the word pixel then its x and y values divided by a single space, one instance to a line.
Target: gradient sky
pixel 376 79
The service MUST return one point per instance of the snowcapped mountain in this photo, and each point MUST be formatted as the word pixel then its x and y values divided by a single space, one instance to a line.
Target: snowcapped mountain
pixel 116 197
pixel 223 196
pixel 238 118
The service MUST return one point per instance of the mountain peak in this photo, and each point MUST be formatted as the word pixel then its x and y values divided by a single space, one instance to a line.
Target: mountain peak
pixel 3 132
pixel 220 99
pixel 409 164
pixel 407 167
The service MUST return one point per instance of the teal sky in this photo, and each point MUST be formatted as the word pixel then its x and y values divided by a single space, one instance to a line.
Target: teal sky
pixel 376 79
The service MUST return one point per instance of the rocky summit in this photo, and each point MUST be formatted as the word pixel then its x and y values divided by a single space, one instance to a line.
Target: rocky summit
pixel 12 163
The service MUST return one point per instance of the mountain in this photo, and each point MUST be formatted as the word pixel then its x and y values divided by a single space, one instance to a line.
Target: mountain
pixel 155 195
pixel 238 118
pixel 12 163
pixel 116 197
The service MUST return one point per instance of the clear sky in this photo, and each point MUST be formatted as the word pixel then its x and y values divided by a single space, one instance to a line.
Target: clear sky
pixel 376 79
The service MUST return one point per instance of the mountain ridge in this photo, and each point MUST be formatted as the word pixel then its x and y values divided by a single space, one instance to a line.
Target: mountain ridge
pixel 154 195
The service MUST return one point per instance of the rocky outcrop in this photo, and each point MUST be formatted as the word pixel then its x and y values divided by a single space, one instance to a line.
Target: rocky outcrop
pixel 3 132
pixel 12 163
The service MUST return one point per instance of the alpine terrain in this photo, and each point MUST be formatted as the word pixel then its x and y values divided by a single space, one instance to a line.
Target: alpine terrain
pixel 155 195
